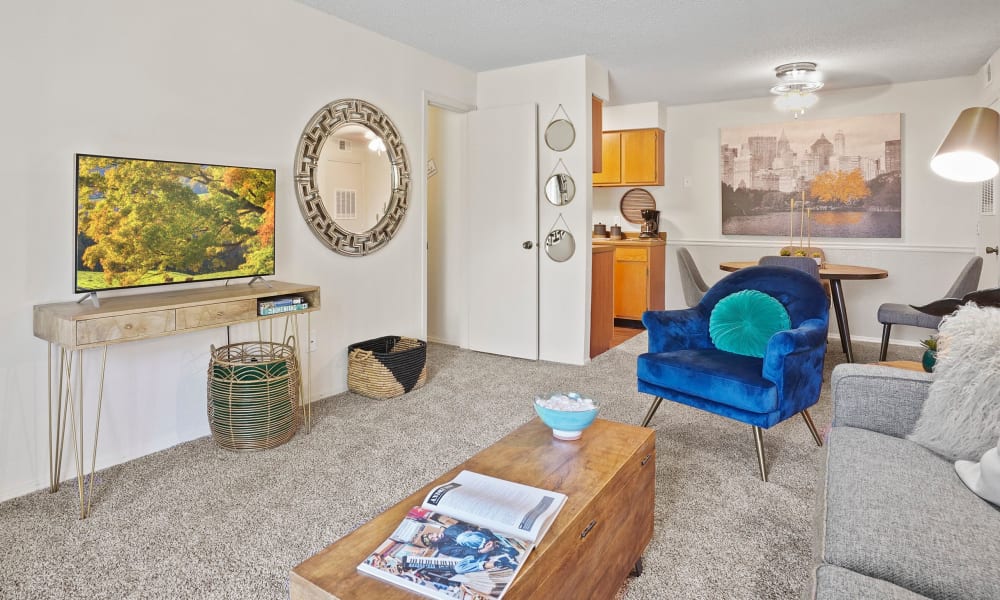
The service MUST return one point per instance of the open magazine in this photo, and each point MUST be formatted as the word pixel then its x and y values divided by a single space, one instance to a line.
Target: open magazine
pixel 467 540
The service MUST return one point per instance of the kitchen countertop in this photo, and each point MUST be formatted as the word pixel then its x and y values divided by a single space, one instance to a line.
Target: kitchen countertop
pixel 632 240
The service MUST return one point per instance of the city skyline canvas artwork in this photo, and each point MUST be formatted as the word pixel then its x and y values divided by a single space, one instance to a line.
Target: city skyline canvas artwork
pixel 826 178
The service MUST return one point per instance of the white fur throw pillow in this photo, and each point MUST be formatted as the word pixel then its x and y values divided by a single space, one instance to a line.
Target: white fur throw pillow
pixel 961 417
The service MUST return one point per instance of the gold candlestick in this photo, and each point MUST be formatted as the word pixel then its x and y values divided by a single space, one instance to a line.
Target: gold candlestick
pixel 802 218
pixel 791 224
pixel 809 226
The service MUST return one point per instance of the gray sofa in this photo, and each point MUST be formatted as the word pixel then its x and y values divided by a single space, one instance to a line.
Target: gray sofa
pixel 894 521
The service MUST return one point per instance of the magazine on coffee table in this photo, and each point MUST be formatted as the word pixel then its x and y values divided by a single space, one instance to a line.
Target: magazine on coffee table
pixel 468 539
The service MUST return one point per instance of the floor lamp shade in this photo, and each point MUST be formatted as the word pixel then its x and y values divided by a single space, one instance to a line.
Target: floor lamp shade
pixel 971 152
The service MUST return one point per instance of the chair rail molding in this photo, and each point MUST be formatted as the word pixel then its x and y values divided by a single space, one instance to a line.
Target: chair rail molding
pixel 875 247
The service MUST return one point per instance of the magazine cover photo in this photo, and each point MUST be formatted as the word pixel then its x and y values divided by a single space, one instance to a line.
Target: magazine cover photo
pixel 442 557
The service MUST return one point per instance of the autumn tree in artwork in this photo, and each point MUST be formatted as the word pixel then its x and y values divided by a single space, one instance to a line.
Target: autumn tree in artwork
pixel 145 220
pixel 839 186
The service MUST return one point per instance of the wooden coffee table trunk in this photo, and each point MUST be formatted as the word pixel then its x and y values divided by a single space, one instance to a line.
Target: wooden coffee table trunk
pixel 600 534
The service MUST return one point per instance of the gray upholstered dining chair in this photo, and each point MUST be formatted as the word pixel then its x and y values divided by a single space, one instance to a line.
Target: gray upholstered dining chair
pixel 890 313
pixel 800 263
pixel 692 284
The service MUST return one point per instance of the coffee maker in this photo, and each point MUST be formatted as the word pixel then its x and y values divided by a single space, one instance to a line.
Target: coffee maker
pixel 650 223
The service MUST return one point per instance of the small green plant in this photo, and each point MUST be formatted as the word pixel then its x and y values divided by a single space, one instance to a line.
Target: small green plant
pixel 785 252
pixel 800 253
pixel 930 343
pixel 817 255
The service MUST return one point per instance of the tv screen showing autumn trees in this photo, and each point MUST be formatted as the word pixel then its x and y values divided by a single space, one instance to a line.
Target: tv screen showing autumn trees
pixel 148 222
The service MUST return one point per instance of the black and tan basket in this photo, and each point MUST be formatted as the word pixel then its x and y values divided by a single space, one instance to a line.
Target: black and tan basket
pixel 386 367
pixel 253 395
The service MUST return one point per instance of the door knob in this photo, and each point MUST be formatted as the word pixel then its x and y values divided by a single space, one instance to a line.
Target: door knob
pixel 992 250
pixel 528 245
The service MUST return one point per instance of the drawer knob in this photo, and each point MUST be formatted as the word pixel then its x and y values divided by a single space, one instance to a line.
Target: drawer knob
pixel 587 529
pixel 128 326
pixel 219 314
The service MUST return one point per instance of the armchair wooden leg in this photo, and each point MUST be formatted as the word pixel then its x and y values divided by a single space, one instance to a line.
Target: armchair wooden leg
pixel 652 410
pixel 885 341
pixel 812 428
pixel 758 438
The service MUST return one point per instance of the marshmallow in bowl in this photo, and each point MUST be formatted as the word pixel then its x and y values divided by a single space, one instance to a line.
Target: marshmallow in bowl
pixel 566 402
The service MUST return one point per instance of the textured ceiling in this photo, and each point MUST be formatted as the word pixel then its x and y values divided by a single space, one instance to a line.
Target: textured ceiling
pixel 694 51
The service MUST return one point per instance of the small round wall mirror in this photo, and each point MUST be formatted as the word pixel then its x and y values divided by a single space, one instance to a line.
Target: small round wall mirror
pixel 352 177
pixel 560 189
pixel 560 245
pixel 559 135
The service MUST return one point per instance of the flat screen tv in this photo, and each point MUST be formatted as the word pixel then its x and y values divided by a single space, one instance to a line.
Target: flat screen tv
pixel 152 222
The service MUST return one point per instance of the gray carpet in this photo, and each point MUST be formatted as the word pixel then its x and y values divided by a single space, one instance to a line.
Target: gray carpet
pixel 195 521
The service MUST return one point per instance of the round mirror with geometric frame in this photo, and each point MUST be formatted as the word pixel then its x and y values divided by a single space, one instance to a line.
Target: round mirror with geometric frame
pixel 315 209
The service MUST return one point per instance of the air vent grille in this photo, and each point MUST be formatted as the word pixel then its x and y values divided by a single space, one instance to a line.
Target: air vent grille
pixel 345 204
pixel 987 206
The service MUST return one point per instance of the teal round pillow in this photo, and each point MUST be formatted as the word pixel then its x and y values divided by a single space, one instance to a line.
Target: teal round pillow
pixel 743 322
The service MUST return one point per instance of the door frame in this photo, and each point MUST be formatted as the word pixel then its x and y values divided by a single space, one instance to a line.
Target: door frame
pixel 444 102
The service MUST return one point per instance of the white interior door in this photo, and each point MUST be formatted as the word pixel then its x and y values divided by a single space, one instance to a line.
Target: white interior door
pixel 989 228
pixel 502 231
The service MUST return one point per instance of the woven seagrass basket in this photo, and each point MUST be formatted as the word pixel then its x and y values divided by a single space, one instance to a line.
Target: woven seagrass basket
pixel 386 367
pixel 253 395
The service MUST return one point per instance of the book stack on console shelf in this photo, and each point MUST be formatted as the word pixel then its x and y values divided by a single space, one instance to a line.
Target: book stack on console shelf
pixel 468 539
pixel 281 304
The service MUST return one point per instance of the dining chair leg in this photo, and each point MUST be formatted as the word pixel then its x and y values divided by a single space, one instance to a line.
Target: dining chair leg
pixel 758 438
pixel 885 341
pixel 812 427
pixel 652 410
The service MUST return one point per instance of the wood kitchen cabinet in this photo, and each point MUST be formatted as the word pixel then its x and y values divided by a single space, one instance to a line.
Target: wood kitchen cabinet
pixel 602 320
pixel 639 274
pixel 596 127
pixel 631 157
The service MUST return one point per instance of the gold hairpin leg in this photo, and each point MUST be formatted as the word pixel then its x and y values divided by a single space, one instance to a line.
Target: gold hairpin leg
pixel 68 405
pixel 304 374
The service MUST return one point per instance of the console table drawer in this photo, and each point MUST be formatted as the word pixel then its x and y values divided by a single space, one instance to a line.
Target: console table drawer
pixel 216 314
pixel 110 329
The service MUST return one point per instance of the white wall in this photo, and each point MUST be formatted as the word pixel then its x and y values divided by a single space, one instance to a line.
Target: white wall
pixel 187 81
pixel 939 217
pixel 564 288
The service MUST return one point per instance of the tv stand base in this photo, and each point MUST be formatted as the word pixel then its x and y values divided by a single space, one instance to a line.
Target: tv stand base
pixel 258 277
pixel 92 296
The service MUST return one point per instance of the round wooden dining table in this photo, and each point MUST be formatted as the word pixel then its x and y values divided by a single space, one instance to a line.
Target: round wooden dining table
pixel 835 274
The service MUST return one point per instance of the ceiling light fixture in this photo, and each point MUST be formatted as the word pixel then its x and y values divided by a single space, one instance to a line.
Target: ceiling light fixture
pixel 796 83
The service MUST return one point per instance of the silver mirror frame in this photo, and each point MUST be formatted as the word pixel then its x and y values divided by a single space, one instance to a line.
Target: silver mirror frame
pixel 553 182
pixel 319 128
pixel 556 131
pixel 560 245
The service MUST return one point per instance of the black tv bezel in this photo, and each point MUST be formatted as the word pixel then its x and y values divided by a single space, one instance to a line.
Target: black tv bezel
pixel 76 223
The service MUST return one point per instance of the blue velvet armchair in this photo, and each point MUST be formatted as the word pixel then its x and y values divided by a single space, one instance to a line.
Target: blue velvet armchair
pixel 683 364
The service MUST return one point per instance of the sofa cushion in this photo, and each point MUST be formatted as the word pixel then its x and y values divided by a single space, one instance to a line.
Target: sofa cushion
pixel 835 583
pixel 711 373
pixel 897 511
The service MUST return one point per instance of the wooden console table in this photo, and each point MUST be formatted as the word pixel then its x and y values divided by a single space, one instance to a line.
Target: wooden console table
pixel 598 538
pixel 71 327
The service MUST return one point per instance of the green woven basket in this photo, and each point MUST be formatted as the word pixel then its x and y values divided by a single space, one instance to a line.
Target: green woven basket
pixel 253 395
